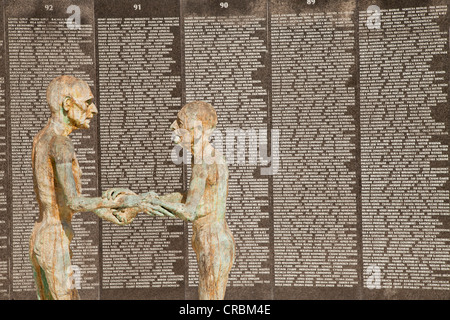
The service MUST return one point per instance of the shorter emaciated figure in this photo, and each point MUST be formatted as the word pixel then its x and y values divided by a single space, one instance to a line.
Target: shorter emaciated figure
pixel 204 204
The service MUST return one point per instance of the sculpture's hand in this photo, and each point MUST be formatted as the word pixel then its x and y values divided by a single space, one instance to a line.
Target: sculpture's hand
pixel 177 209
pixel 113 193
pixel 112 215
pixel 149 195
pixel 155 210
pixel 129 201
pixel 121 217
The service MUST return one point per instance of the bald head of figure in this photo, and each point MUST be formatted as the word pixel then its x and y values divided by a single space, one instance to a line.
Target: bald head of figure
pixel 62 87
pixel 199 111
pixel 74 97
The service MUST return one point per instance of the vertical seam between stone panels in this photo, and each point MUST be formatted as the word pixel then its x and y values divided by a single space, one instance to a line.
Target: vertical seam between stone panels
pixel 360 287
pixel 8 175
pixel 184 165
pixel 269 147
pixel 98 167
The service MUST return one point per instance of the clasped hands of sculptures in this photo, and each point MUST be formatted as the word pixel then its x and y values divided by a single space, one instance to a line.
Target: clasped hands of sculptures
pixel 131 204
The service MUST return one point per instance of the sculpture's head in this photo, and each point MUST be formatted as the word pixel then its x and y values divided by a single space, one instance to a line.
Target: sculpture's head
pixel 71 99
pixel 195 122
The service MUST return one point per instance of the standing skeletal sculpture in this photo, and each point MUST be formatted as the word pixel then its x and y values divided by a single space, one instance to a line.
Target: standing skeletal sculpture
pixel 57 184
pixel 204 204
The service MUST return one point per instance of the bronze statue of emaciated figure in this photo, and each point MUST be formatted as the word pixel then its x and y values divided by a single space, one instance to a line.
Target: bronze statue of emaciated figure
pixel 57 184
pixel 205 202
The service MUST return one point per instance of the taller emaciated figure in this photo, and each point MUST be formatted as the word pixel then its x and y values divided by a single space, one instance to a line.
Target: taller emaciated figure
pixel 57 184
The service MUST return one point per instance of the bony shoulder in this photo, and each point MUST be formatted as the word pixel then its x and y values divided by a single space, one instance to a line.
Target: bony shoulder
pixel 62 149
pixel 63 142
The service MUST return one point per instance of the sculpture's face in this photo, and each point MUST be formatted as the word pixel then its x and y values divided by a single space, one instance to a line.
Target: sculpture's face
pixel 80 107
pixel 181 133
pixel 191 129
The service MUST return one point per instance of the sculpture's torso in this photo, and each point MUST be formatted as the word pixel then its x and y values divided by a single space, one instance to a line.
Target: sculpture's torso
pixel 212 240
pixel 213 202
pixel 53 211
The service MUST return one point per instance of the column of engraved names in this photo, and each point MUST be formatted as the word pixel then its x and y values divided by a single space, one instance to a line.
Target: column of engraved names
pixel 222 56
pixel 4 219
pixel 137 84
pixel 314 196
pixel 39 50
pixel 404 162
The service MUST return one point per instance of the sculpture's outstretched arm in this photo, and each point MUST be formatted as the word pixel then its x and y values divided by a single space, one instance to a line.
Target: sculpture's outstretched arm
pixel 63 155
pixel 175 197
pixel 78 203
